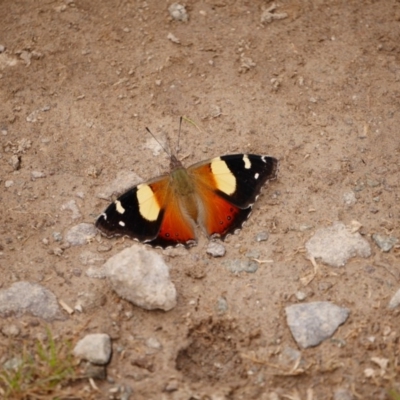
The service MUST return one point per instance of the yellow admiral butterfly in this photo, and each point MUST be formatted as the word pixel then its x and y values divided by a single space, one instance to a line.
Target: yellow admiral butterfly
pixel 217 194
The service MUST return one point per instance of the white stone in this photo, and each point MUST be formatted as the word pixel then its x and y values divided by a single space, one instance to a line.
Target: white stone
pixel 95 347
pixel 140 276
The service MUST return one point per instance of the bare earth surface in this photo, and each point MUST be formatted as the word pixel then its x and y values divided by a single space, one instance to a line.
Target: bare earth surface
pixel 319 90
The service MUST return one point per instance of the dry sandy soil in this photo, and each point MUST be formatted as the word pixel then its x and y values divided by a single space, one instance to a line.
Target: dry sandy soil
pixel 320 90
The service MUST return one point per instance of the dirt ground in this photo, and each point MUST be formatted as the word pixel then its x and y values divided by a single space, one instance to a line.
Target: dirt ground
pixel 319 89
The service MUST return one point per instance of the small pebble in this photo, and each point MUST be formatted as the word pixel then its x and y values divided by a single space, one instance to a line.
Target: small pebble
pixel 178 12
pixel 57 236
pixel 2 48
pixel 10 330
pixel 395 300
pixel 222 305
pixel 80 234
pixel 95 347
pixel 103 248
pixel 312 323
pixel 385 243
pixel 349 198
pixel 300 295
pixel 15 162
pixel 237 266
pixel 216 249
pixel 153 343
pixel 8 184
pixel 262 236
pixel 37 175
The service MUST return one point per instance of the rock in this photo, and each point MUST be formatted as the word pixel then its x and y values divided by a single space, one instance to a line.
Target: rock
pixel 80 234
pixel 312 323
pixel 237 266
pixel 222 305
pixel 73 207
pixel 216 249
pixel 95 348
pixel 262 236
pixel 10 330
pixel 57 236
pixel 342 394
pixel 395 300
pixel 385 243
pixel 349 198
pixel 90 300
pixel 29 298
pixel 178 12
pixel 336 244
pixel 37 175
pixel 88 257
pixel 290 356
pixel 153 343
pixel 124 181
pixel 94 371
pixel 140 276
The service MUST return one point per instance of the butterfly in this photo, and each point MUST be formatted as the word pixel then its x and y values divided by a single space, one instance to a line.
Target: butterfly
pixel 217 195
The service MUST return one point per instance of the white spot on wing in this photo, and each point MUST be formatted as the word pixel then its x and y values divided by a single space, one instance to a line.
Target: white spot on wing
pixel 256 175
pixel 246 160
pixel 225 180
pixel 104 215
pixel 118 207
pixel 122 223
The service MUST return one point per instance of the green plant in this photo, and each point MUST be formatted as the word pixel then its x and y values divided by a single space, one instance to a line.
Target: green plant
pixel 38 371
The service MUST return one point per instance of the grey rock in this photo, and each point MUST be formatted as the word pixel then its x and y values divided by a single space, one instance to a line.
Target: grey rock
pixel 140 276
pixel 300 295
pixel 336 244
pixel 216 249
pixel 237 266
pixel 124 181
pixel 90 300
pixel 13 364
pixel 222 305
pixel 262 236
pixel 153 343
pixel 88 257
pixel 178 12
pixel 289 356
pixel 395 300
pixel 29 298
pixel 95 348
pixel 57 236
pixel 342 394
pixel 385 243
pixel 94 371
pixel 312 323
pixel 10 330
pixel 349 198
pixel 37 175
pixel 80 234
pixel 73 207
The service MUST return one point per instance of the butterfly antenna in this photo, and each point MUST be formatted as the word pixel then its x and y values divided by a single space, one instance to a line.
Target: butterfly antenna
pixel 151 133
pixel 179 134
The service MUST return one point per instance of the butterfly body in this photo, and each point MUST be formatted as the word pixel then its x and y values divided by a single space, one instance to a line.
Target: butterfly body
pixel 216 194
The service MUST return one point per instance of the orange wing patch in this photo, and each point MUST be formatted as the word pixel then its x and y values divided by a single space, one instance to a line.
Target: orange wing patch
pixel 219 214
pixel 175 226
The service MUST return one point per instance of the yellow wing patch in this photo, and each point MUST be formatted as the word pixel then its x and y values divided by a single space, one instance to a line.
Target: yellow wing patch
pixel 224 179
pixel 148 204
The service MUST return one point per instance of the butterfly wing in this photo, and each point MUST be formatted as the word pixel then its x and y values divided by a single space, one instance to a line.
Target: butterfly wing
pixel 227 188
pixel 147 213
